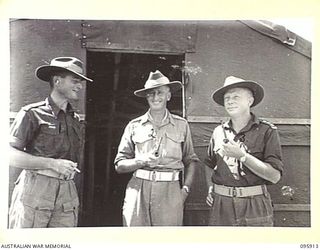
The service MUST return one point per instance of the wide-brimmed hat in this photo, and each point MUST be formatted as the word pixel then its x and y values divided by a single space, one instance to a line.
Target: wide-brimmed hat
pixel 71 64
pixel 157 79
pixel 236 82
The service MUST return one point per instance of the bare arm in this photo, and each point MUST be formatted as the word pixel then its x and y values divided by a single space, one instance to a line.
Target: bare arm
pixel 20 159
pixel 190 171
pixel 260 168
pixel 208 173
pixel 129 165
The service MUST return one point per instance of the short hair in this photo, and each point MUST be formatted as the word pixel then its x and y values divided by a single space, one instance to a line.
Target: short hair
pixel 62 73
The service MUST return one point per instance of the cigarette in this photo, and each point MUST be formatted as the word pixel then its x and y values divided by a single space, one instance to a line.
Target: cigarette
pixel 77 170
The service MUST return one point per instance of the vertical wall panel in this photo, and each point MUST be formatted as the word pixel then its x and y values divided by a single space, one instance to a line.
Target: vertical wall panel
pixel 34 43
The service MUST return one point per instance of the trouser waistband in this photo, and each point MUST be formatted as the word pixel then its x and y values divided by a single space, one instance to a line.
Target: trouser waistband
pixel 51 173
pixel 239 191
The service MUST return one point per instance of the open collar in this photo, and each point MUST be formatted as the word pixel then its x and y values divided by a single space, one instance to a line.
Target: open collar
pixel 55 109
pixel 252 122
pixel 168 116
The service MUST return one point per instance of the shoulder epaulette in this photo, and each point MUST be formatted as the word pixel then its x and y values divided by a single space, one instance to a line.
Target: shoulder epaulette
pixel 34 105
pixel 138 119
pixel 269 123
pixel 178 117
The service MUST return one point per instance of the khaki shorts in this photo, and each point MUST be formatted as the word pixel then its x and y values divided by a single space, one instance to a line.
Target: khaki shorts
pixel 42 201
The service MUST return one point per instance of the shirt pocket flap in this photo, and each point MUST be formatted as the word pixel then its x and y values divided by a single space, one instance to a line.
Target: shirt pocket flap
pixel 37 203
pixel 49 128
pixel 70 206
pixel 176 137
pixel 141 138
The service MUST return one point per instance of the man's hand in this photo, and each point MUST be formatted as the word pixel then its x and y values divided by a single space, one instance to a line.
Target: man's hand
pixel 210 198
pixel 184 194
pixel 232 149
pixel 65 167
pixel 148 160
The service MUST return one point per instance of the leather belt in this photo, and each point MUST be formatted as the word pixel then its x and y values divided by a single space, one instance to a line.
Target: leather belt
pixel 239 191
pixel 152 175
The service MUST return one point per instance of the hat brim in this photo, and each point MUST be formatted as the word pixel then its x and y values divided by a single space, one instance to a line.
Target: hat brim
pixel 257 91
pixel 45 72
pixel 174 86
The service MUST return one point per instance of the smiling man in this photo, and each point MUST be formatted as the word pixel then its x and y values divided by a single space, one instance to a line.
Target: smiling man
pixel 244 155
pixel 45 141
pixel 157 148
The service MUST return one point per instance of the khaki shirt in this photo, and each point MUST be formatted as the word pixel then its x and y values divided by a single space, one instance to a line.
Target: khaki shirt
pixel 172 140
pixel 42 129
pixel 259 138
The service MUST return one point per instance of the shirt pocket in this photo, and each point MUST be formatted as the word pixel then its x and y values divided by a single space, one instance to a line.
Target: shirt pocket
pixel 255 145
pixel 142 141
pixel 173 146
pixel 51 139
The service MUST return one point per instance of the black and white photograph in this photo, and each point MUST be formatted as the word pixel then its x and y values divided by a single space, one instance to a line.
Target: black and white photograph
pixel 159 125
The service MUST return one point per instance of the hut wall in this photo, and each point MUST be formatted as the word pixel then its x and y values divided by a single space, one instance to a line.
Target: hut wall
pixel 35 43
pixel 213 50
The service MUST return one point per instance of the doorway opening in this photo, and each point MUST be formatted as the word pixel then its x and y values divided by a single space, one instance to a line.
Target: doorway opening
pixel 110 105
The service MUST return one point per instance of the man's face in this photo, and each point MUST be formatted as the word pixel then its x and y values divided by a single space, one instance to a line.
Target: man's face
pixel 158 98
pixel 237 101
pixel 69 86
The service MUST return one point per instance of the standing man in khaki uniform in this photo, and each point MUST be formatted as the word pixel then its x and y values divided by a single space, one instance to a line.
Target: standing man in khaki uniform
pixel 45 142
pixel 156 147
pixel 244 155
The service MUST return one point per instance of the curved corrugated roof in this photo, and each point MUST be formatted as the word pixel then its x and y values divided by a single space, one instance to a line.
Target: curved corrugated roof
pixel 281 34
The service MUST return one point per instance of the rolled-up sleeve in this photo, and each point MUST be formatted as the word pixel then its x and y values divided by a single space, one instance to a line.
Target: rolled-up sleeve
pixel 211 159
pixel 126 148
pixel 272 151
pixel 22 130
pixel 188 154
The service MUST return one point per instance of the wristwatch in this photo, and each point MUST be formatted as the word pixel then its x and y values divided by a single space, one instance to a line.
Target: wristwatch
pixel 185 187
pixel 243 158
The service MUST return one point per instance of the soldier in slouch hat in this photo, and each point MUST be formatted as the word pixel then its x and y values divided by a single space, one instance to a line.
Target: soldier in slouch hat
pixel 156 147
pixel 45 142
pixel 244 155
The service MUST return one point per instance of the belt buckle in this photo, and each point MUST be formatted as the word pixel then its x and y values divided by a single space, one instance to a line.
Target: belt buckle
pixel 153 175
pixel 234 192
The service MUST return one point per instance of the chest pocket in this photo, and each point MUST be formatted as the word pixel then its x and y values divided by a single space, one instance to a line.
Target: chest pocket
pixel 174 143
pixel 255 144
pixel 142 140
pixel 51 139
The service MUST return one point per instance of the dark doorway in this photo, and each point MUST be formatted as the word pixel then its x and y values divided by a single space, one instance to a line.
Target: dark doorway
pixel 110 105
